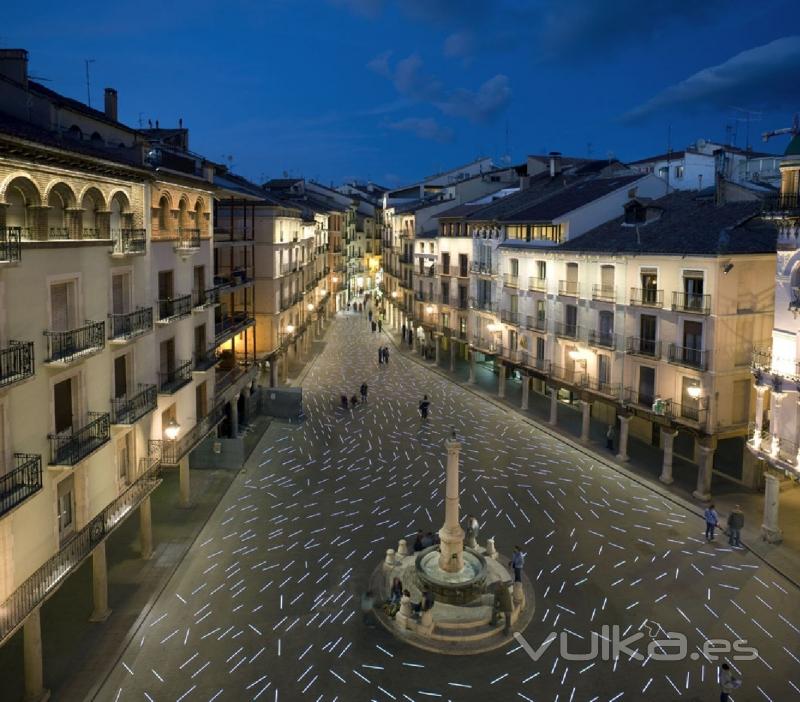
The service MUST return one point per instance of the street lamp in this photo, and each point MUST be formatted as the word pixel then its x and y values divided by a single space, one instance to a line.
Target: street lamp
pixel 290 328
pixel 310 307
pixel 172 429
pixel 429 309
pixel 694 391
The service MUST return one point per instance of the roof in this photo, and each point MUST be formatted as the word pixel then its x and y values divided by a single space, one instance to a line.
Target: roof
pixel 669 156
pixel 689 225
pixel 793 149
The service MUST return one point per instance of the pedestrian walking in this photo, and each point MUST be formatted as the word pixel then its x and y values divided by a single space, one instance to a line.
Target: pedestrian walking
pixel 424 406
pixel 367 604
pixel 343 401
pixel 364 390
pixel 728 682
pixel 712 520
pixel 380 356
pixel 610 437
pixel 735 525
pixel 403 330
pixel 418 542
pixel 353 402
pixel 504 604
pixel 380 325
pixel 369 315
pixel 374 326
pixel 386 355
pixel 517 562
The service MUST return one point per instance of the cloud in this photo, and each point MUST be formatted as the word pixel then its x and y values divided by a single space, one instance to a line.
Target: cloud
pixel 412 81
pixel 424 128
pixel 459 45
pixel 764 76
pixel 482 106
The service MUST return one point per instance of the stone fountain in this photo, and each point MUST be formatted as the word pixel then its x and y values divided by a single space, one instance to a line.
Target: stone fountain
pixel 461 580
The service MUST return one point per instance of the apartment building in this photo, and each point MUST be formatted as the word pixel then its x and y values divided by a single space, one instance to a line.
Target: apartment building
pixel 106 263
pixel 774 432
pixel 647 322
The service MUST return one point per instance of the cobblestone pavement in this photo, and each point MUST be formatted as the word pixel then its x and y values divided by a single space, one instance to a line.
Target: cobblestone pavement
pixel 266 603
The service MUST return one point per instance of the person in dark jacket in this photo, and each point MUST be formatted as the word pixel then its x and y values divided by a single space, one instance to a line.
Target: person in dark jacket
pixel 364 389
pixel 735 525
pixel 504 604
pixel 418 542
pixel 517 561
pixel 424 407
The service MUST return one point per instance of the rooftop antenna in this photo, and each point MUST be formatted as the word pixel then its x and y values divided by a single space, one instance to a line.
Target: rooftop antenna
pixel 88 84
pixel 794 130
pixel 749 115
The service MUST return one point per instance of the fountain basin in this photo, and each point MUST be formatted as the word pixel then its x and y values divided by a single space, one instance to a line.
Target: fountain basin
pixel 459 588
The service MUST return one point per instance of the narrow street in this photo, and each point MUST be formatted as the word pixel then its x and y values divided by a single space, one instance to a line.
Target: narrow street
pixel 266 604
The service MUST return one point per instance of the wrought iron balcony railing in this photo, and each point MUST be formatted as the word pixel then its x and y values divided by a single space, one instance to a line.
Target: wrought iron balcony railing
pixel 10 249
pixel 786 205
pixel 130 324
pixel 204 360
pixel 509 317
pixel 644 347
pixel 575 375
pixel 65 346
pixel 603 339
pixel 128 410
pixel 691 302
pixel 16 362
pixel 482 268
pixel 68 448
pixel 172 380
pixel 172 308
pixel 647 297
pixel 567 330
pixel 22 481
pixel 605 293
pixel 188 239
pixel 534 362
pixel 537 284
pixel 171 452
pixel 535 323
pixel 485 304
pixel 231 324
pixel 129 241
pixel 568 288
pixel 33 591
pixel 687 356
pixel 208 297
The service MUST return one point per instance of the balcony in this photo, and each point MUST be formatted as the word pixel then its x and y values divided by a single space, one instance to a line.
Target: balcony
pixel 482 268
pixel 568 288
pixel 129 242
pixel 427 271
pixel 484 344
pixel 58 233
pixel 648 401
pixel 65 347
pixel 68 448
pixel 203 299
pixel 444 270
pixel 509 317
pixel 691 302
pixel 537 284
pixel 463 272
pixel 128 410
pixel 602 339
pixel 644 347
pixel 16 362
pixel 188 240
pixel 687 356
pixel 171 452
pixel 779 206
pixel 44 581
pixel 604 293
pixel 647 297
pixel 536 323
pixel 289 267
pixel 574 375
pixel 603 387
pixel 24 480
pixel 92 233
pixel 542 365
pixel 231 325
pixel 169 382
pixel 127 326
pixel 484 304
pixel 510 280
pixel 172 308
pixel 205 360
pixel 421 296
pixel 10 250
pixel 461 303
pixel 567 330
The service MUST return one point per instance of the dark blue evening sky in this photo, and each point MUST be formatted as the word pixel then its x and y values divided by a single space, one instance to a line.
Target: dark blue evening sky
pixel 339 89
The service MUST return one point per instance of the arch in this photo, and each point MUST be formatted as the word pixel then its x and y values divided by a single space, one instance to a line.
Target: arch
pixel 122 199
pixel 164 212
pixel 22 182
pixel 199 212
pixel 97 138
pixel 119 206
pixel 200 205
pixel 74 132
pixel 59 190
pixel 60 197
pixel 92 201
pixel 20 193
pixel 183 212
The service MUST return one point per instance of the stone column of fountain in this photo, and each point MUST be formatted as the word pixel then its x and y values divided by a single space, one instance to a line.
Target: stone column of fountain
pixel 451 549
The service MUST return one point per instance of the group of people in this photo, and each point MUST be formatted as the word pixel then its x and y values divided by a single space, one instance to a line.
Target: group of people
pixel 423 541
pixel 398 595
pixel 735 524
pixel 383 355
pixel 352 403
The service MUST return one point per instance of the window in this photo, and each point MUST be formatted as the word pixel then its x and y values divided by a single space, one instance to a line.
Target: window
pixel 167 356
pixel 513 301
pixel 120 293
pixel 63 306
pixel 647 385
pixel 121 373
pixel 539 348
pixel 66 508
pixel 545 232
pixel 514 267
pixel 445 293
pixel 540 311
pixel 165 285
pixel 64 406
pixel 679 172
pixel 693 290
pixel 200 278
pixel 516 231
pixel 605 327
pixel 607 281
pixel 541 270
pixel 649 277
pixel 463 265
pixel 201 400
pixel 571 319
pixel 603 369
pixel 124 460
pixel 663 172
pixel 512 340
pixel 647 334
pixel 445 263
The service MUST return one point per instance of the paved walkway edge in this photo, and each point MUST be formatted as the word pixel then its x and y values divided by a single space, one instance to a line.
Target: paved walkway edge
pixel 582 448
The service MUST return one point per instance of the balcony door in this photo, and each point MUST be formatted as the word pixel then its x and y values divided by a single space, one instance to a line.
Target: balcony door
pixel 200 340
pixel 201 400
pixel 66 508
pixel 63 306
pixel 167 356
pixel 166 286
pixel 603 369
pixel 539 348
pixel 463 265
pixel 570 320
pixel 692 342
pixel 647 385
pixel 121 379
pixel 607 280
pixel 124 460
pixel 200 278
pixel 606 326
pixel 647 334
pixel 120 293
pixel 649 277
pixel 65 406
pixel 693 289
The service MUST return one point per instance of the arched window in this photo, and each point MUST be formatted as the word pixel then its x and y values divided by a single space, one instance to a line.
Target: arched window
pixel 21 194
pixel 74 132
pixel 163 214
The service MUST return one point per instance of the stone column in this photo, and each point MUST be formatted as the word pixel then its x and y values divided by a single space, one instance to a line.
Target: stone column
pixel 761 390
pixel 624 421
pixel 99 584
pixel 452 354
pixel 73 221
pixel 704 469
pixel 184 480
pixel 273 374
pixel 246 405
pixel 146 528
pixel 436 344
pixel 526 387
pixel 586 418
pixel 234 432
pixel 553 421
pixel 471 353
pixel 32 651
pixel 451 556
pixel 501 380
pixel 666 467
pixel 775 422
pixel 770 530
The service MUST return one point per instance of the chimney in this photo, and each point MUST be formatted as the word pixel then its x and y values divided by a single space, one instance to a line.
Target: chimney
pixel 111 104
pixel 555 163
pixel 14 65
